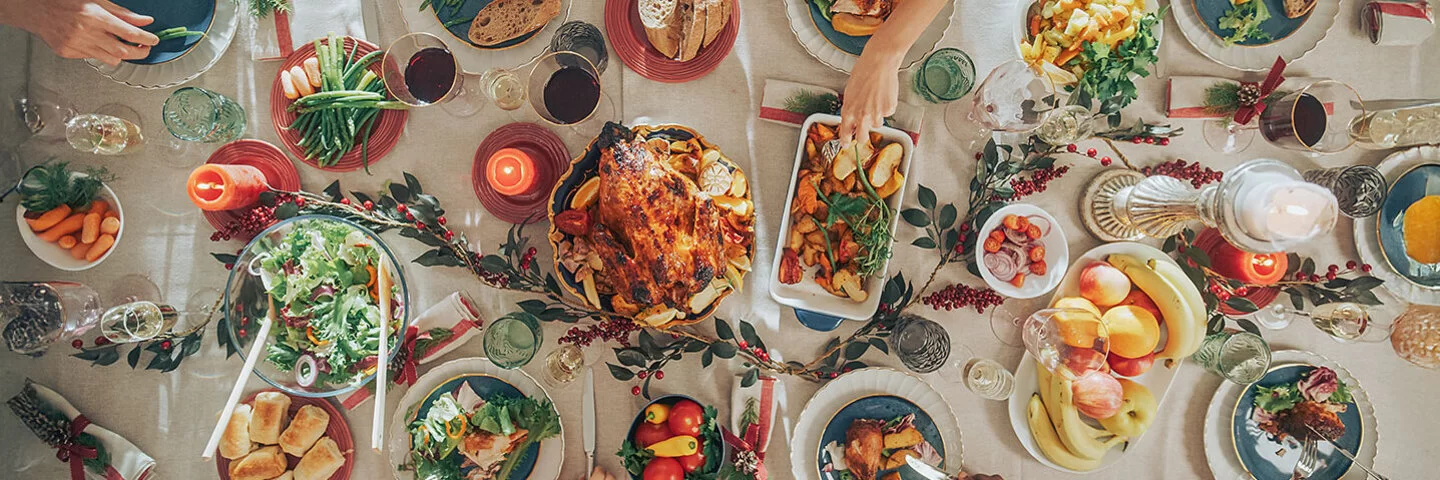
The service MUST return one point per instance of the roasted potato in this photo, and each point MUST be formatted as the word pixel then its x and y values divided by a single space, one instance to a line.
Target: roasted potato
pixel 906 438
pixel 896 181
pixel 897 459
pixel 806 224
pixel 887 162
pixel 797 239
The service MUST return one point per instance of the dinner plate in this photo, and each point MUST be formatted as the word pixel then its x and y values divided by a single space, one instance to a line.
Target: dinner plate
pixel 1414 184
pixel 1267 459
pixel 338 430
pixel 627 37
pixel 541 145
pixel 388 125
pixel 841 392
pixel 174 62
pixel 279 171
pixel 1220 451
pixel 876 407
pixel 1255 58
pixel 839 51
pixel 1159 379
pixel 472 57
pixel 1279 26
pixel 1367 242
pixel 487 379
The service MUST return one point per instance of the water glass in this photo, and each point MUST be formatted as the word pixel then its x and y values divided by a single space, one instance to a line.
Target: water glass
pixel 945 76
pixel 195 114
pixel 563 365
pixel 512 340
pixel 103 134
pixel 582 38
pixel 1240 357
pixel 922 345
pixel 38 314
pixel 1359 189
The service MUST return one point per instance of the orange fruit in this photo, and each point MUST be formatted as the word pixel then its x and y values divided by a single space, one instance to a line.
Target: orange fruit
pixel 1134 332
pixel 1079 330
pixel 1421 230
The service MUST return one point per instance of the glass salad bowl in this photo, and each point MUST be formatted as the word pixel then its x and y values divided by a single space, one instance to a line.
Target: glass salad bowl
pixel 320 270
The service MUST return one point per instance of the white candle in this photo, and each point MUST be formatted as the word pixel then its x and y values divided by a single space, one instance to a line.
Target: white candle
pixel 1287 210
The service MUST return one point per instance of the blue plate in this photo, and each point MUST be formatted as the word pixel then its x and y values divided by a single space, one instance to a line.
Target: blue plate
pixel 486 387
pixel 1278 26
pixel 1411 187
pixel 878 407
pixel 196 15
pixel 1260 455
pixel 466 11
pixel 846 43
pixel 818 321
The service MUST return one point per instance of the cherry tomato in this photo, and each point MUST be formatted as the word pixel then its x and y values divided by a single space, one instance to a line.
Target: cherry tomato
pixel 574 222
pixel 685 418
pixel 648 434
pixel 664 469
pixel 694 462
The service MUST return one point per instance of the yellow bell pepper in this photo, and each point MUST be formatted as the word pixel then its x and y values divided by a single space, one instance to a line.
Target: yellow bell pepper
pixel 676 446
pixel 657 413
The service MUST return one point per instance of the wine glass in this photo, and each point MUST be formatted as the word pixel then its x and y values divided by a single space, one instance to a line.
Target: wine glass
pixel 984 377
pixel 1224 135
pixel 1005 324
pixel 44 119
pixel 1014 98
pixel 1068 342
pixel 1315 119
pixel 1345 322
pixel 564 89
pixel 37 315
pixel 420 70
pixel 112 129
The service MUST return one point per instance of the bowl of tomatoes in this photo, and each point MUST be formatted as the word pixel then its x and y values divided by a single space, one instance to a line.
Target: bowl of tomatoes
pixel 672 437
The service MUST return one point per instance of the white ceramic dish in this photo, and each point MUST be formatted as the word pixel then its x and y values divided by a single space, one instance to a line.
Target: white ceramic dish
pixel 1367 243
pixel 552 450
pixel 1158 379
pixel 1220 448
pixel 475 59
pixel 185 67
pixel 1057 254
pixel 1256 58
pixel 60 257
pixel 803 26
pixel 863 383
pixel 807 294
pixel 1022 22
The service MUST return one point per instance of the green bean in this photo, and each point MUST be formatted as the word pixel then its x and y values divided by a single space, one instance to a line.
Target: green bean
pixel 176 32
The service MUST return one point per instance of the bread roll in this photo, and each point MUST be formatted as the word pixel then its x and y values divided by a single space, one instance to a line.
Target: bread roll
pixel 268 418
pixel 321 461
pixel 662 25
pixel 235 442
pixel 307 426
pixel 263 464
pixel 285 476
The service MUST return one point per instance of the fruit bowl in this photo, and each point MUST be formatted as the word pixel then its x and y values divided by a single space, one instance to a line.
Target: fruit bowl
pixel 1057 253
pixel 708 437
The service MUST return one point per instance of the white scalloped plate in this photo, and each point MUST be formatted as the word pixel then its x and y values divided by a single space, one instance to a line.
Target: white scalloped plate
pixel 862 383
pixel 1220 450
pixel 185 67
pixel 814 42
pixel 475 59
pixel 1257 58
pixel 1367 243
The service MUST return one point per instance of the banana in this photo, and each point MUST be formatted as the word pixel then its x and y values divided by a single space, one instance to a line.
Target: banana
pixel 1177 277
pixel 1079 438
pixel 1180 318
pixel 1049 441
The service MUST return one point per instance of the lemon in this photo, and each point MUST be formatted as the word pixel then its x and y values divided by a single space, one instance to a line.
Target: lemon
pixel 585 195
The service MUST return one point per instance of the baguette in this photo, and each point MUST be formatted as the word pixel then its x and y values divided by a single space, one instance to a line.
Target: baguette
pixel 661 25
pixel 1298 8
pixel 717 14
pixel 692 30
pixel 505 20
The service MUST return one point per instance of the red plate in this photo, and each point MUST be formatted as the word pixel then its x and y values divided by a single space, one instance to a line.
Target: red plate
pixel 279 172
pixel 627 37
pixel 338 430
pixel 550 156
pixel 1261 297
pixel 387 129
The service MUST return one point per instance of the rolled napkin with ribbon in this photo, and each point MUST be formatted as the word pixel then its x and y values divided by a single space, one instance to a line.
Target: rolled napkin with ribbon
pixel 752 417
pixel 91 451
pixel 1195 97
pixel 441 328
pixel 280 33
pixel 790 103
pixel 1397 23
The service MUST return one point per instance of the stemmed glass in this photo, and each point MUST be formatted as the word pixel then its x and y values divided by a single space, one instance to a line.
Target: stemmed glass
pixel 1014 98
pixel 564 89
pixel 1345 322
pixel 1315 120
pixel 984 377
pixel 1066 341
pixel 420 70
pixel 194 114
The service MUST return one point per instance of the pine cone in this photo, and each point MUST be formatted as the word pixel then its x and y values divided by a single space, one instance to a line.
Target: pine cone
pixel 1248 95
pixel 746 462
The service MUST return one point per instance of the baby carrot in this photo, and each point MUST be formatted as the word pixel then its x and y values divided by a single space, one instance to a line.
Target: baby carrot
pixel 79 250
pixel 49 219
pixel 90 231
pixel 100 247
pixel 68 241
pixel 99 206
pixel 111 225
pixel 70 225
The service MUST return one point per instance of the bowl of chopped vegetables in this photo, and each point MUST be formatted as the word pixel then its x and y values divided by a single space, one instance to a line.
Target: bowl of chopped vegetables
pixel 322 273
pixel 67 217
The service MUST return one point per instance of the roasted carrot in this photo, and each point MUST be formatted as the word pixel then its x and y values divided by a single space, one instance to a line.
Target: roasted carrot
pixel 111 225
pixel 100 247
pixel 1035 26
pixel 67 241
pixel 70 225
pixel 1068 54
pixel 48 219
pixel 90 230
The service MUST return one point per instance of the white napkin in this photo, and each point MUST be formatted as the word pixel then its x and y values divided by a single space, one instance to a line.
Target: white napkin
pixel 281 33
pixel 1398 23
pixel 126 460
pixel 453 321
pixel 763 392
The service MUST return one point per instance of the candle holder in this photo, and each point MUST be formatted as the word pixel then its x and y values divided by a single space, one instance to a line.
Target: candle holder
pixel 1262 206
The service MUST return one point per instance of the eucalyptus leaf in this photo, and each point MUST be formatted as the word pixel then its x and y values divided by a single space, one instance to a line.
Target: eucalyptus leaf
pixel 926 197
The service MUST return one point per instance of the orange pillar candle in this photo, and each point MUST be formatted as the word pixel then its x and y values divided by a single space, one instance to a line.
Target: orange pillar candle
pixel 215 187
pixel 511 172
pixel 1251 268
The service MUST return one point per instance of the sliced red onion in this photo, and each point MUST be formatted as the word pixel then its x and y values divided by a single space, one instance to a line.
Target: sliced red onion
pixel 1041 222
pixel 1018 238
pixel 306 370
pixel 1001 266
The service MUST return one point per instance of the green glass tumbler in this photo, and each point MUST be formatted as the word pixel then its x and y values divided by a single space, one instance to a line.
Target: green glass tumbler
pixel 945 76
pixel 1240 357
pixel 195 114
pixel 512 340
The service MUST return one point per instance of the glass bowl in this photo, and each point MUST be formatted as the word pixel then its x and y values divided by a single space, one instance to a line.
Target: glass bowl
pixel 245 306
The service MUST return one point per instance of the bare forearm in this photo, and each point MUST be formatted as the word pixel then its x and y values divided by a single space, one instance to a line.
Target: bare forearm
pixel 904 26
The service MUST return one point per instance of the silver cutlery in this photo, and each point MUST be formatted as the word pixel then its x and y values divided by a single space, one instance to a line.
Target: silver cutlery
pixel 1347 454
pixel 1309 461
pixel 588 421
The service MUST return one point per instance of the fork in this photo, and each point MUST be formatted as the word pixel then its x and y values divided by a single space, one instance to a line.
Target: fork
pixel 1309 460
pixel 1348 455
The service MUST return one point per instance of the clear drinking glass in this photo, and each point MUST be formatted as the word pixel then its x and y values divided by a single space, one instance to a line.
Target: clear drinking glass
pixel 563 365
pixel 1345 322
pixel 1067 342
pixel 582 38
pixel 194 114
pixel 39 314
pixel 44 119
pixel 1225 136
pixel 1359 189
pixel 137 321
pixel 103 134
pixel 945 76
pixel 1314 119
pixel 1014 98
pixel 564 89
pixel 922 345
pixel 1066 125
pixel 1240 357
pixel 982 376
pixel 1005 324
pixel 420 70
pixel 512 340
pixel 504 87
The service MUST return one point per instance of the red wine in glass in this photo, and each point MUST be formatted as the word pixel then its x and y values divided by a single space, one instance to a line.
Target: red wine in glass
pixel 430 74
pixel 571 94
pixel 1298 123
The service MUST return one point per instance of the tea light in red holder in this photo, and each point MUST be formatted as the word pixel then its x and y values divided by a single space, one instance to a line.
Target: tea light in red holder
pixel 1251 268
pixel 216 187
pixel 511 172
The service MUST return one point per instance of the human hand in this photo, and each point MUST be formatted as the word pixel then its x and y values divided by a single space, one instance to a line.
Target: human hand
pixel 600 474
pixel 94 29
pixel 871 94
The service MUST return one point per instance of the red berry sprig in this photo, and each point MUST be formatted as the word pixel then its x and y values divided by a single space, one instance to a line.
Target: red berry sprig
pixel 961 296
pixel 613 329
pixel 1179 168
pixel 1038 181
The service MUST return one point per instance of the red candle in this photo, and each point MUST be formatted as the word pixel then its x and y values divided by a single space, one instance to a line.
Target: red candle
pixel 511 172
pixel 217 187
pixel 1251 268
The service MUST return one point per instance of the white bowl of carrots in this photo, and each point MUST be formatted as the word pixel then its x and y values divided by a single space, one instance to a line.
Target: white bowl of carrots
pixel 59 236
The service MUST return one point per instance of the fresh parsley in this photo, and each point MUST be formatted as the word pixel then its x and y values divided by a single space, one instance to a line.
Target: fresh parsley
pixel 51 185
pixel 1244 22
pixel 634 457
pixel 1108 71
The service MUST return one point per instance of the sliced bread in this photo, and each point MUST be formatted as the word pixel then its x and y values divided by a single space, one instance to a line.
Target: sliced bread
pixel 662 25
pixel 692 28
pixel 1298 8
pixel 504 20
pixel 717 14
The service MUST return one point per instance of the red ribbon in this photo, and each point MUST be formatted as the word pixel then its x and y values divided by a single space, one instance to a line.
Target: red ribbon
pixel 1272 81
pixel 73 452
pixel 740 445
pixel 407 374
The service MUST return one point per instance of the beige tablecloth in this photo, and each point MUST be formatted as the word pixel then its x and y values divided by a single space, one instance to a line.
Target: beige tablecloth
pixel 170 416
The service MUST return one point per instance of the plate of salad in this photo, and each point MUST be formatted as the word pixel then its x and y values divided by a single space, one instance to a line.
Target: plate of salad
pixel 1099 46
pixel 1276 414
pixel 471 420
pixel 1249 34
pixel 322 273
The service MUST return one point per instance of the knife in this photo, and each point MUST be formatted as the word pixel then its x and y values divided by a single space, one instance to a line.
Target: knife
pixel 1346 454
pixel 925 470
pixel 588 422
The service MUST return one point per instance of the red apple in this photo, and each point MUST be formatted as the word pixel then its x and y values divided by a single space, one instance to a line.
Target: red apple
pixel 1131 367
pixel 1097 395
pixel 1083 361
pixel 1103 284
